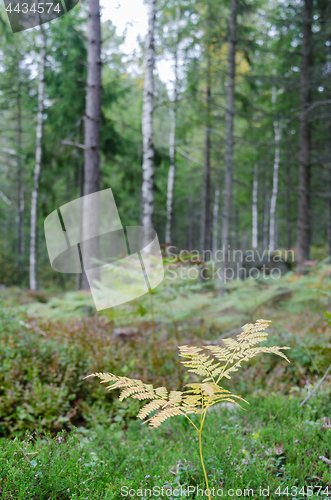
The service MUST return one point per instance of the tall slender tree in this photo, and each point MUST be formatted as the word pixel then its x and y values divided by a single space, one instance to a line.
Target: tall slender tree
pixel 304 206
pixel 92 126
pixel 147 122
pixel 255 220
pixel 93 101
pixel 205 225
pixel 215 221
pixel 20 189
pixel 37 169
pixel 172 138
pixel 229 121
pixel 278 127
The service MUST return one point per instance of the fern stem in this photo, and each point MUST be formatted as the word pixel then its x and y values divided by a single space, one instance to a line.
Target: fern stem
pixel 229 361
pixel 201 456
pixel 188 418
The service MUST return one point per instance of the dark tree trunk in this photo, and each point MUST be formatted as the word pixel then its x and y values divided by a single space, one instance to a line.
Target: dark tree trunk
pixel 288 194
pixel 329 199
pixel 205 228
pixel 80 175
pixel 92 122
pixel 304 216
pixel 20 190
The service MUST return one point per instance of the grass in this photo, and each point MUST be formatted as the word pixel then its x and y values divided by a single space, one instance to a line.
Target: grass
pixel 47 346
pixel 274 444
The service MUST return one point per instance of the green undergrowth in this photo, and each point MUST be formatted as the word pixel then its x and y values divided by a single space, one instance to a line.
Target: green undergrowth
pixel 44 360
pixel 274 444
pixel 199 305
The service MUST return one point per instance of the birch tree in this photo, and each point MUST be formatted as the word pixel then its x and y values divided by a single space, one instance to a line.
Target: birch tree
pixel 147 121
pixel 172 139
pixel 266 221
pixel 38 160
pixel 254 207
pixel 229 121
pixel 278 127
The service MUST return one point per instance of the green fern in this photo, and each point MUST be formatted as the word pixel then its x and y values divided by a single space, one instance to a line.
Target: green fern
pixel 212 363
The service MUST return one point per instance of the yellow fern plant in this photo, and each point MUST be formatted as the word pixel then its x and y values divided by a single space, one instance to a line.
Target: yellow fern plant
pixel 211 363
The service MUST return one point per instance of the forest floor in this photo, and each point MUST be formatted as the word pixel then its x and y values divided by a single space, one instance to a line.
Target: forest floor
pixel 74 440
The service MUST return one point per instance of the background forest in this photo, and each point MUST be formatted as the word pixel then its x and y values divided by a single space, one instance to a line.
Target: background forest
pixel 232 150
pixel 248 120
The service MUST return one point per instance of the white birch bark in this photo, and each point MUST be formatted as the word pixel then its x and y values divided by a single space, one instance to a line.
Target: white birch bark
pixel 254 207
pixel 215 221
pixel 37 169
pixel 147 122
pixel 266 222
pixel 278 127
pixel 172 138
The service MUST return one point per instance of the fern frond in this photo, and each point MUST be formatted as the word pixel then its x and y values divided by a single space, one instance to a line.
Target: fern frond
pixel 150 407
pixel 144 395
pixel 250 353
pixel 162 392
pixel 175 397
pixel 131 391
pixel 130 386
pixel 198 363
pixel 163 415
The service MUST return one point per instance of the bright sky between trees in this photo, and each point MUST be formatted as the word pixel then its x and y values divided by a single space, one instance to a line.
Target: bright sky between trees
pixel 132 16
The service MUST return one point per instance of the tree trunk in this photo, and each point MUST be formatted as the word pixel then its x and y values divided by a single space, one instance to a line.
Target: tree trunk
pixel 229 120
pixel 215 221
pixel 37 169
pixel 172 139
pixel 93 101
pixel 80 168
pixel 288 194
pixel 255 207
pixel 20 190
pixel 266 222
pixel 278 127
pixel 329 199
pixel 304 219
pixel 92 127
pixel 236 244
pixel 147 122
pixel 205 226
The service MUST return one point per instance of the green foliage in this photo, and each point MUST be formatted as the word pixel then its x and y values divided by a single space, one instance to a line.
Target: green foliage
pixel 43 365
pixel 276 445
